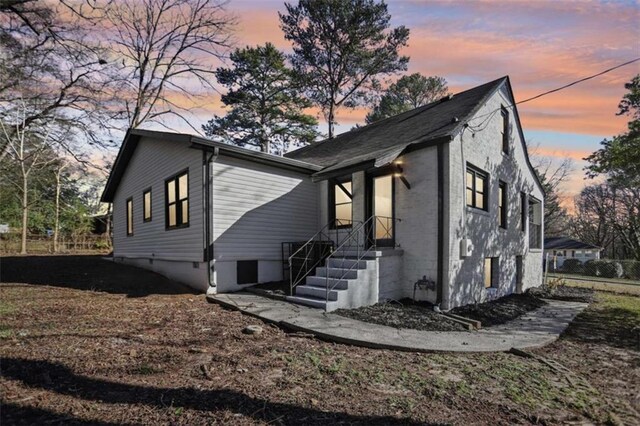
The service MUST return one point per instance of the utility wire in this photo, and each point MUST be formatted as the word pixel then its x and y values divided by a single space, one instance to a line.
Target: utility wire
pixel 476 128
pixel 579 81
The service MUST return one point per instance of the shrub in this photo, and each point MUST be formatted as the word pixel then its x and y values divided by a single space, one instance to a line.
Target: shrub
pixel 604 268
pixel 573 266
pixel 631 269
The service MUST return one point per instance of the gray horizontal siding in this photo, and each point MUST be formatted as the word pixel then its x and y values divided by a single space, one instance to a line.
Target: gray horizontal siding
pixel 152 163
pixel 257 207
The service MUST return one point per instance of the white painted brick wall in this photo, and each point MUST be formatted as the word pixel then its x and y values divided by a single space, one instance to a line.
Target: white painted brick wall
pixel 417 232
pixel 484 150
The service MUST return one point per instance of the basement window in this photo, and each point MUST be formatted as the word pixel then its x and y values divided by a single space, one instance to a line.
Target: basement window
pixel 491 272
pixel 177 201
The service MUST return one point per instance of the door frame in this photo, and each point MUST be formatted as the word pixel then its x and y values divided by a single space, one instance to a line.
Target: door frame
pixel 369 200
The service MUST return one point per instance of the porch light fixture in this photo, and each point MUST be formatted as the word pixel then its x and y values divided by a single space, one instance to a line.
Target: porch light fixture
pixel 399 174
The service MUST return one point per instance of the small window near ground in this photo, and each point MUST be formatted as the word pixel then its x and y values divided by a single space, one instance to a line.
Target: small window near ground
pixel 502 205
pixel 177 201
pixel 146 205
pixel 129 216
pixel 505 130
pixel 340 200
pixel 491 272
pixel 247 271
pixel 476 189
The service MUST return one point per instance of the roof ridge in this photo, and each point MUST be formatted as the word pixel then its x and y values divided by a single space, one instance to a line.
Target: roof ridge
pixel 411 112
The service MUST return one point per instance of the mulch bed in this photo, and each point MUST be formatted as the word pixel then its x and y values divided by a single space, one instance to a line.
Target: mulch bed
pixel 502 310
pixel 563 292
pixel 403 314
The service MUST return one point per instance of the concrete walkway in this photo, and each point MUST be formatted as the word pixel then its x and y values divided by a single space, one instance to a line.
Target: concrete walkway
pixel 535 329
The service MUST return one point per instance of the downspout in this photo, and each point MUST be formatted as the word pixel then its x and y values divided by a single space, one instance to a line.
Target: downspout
pixel 440 278
pixel 208 252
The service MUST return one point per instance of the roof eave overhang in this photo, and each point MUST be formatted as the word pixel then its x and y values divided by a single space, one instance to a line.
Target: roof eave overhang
pixel 133 136
pixel 255 156
pixel 374 163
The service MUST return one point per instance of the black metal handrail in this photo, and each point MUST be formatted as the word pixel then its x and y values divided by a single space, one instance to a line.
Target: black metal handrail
pixel 317 244
pixel 369 242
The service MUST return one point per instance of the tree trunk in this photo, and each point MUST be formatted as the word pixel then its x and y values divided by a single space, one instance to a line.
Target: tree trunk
pixel 25 215
pixel 330 119
pixel 56 226
pixel 108 225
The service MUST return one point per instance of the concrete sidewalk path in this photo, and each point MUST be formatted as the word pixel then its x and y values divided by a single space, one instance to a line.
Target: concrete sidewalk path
pixel 535 329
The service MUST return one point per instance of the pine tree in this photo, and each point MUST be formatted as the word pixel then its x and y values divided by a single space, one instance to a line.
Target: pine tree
pixel 266 105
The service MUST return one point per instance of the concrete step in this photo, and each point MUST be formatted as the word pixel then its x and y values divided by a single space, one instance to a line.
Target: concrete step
pixel 323 271
pixel 333 282
pixel 340 262
pixel 317 292
pixel 354 254
pixel 313 302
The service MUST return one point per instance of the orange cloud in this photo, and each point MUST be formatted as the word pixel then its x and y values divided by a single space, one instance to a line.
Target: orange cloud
pixel 574 154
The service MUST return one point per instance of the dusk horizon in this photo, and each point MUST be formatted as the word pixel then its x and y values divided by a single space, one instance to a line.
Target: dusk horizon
pixel 539 45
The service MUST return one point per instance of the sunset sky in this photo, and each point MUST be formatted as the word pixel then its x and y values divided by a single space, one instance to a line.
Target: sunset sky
pixel 541 45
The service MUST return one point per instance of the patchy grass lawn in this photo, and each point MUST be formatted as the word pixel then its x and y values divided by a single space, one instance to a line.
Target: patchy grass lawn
pixel 91 342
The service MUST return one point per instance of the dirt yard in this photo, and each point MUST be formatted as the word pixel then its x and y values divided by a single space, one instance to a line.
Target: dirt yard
pixel 84 341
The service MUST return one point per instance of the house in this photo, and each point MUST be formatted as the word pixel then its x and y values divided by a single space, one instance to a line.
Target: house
pixel 559 249
pixel 439 203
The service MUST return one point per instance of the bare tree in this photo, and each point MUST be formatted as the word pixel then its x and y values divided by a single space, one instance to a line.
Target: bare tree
pixel 54 68
pixel 60 166
pixel 165 49
pixel 28 153
pixel 591 220
pixel 553 175
pixel 609 216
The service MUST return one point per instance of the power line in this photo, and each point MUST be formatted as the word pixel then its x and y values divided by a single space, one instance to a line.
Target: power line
pixel 476 127
pixel 579 81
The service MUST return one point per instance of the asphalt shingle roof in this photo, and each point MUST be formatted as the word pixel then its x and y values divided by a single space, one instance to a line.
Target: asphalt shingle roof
pixel 552 243
pixel 386 138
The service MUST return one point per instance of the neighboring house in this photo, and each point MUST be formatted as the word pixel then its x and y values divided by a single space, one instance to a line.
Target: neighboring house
pixel 443 195
pixel 559 249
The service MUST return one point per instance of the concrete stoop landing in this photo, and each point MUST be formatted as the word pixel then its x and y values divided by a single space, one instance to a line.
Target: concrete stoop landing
pixel 535 329
pixel 352 283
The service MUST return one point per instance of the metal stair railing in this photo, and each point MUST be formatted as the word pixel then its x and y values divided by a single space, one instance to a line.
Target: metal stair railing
pixel 317 242
pixel 367 230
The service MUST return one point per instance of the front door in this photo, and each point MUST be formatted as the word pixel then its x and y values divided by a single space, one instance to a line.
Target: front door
pixel 381 205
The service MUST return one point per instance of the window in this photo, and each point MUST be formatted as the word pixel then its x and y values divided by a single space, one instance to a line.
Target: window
pixel 505 130
pixel 476 188
pixel 523 212
pixel 129 216
pixel 340 200
pixel 177 201
pixel 491 272
pixel 146 205
pixel 535 223
pixel 502 205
